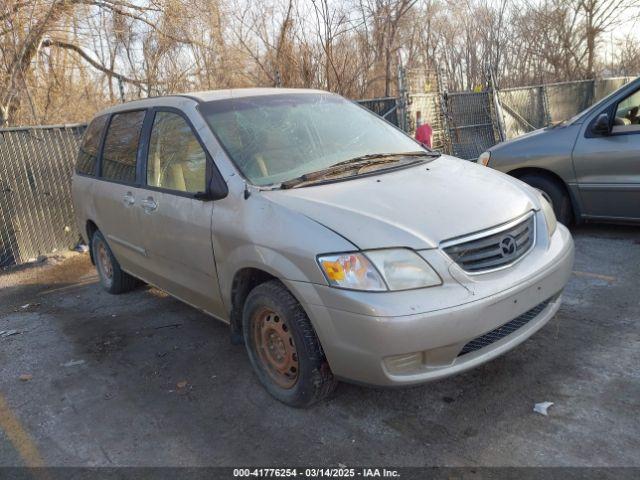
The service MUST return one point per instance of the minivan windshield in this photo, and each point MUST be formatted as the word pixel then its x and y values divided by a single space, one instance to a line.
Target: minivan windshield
pixel 275 138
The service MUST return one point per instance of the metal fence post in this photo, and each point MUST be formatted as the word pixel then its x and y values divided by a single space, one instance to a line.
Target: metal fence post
pixel 544 103
pixel 499 116
pixel 447 138
pixel 121 89
pixel 402 99
pixel 591 95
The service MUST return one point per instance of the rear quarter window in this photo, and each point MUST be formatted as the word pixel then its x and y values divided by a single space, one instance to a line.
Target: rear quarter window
pixel 88 153
pixel 121 147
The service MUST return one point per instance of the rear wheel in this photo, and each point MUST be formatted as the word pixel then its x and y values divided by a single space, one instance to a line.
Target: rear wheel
pixel 283 347
pixel 554 192
pixel 112 278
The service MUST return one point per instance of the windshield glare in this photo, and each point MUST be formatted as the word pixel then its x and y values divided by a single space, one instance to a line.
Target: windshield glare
pixel 274 138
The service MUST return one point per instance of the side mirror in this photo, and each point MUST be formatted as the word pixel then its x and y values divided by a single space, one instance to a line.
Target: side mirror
pixel 602 125
pixel 217 189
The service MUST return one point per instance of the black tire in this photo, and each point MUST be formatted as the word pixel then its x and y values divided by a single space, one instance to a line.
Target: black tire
pixel 112 278
pixel 555 192
pixel 313 378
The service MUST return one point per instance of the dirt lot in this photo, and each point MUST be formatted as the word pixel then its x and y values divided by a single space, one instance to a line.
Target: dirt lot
pixel 142 379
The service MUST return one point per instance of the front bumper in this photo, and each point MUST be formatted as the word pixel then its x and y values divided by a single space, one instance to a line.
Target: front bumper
pixel 365 344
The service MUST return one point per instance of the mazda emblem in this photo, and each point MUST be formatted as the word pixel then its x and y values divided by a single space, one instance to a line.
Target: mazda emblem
pixel 508 246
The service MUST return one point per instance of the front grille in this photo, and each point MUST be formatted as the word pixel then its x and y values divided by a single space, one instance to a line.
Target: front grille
pixel 506 329
pixel 499 247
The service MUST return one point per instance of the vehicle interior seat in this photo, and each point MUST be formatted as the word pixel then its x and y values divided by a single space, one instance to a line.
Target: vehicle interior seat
pixel 174 177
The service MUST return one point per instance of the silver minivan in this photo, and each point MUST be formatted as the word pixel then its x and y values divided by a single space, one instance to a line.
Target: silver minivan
pixel 334 245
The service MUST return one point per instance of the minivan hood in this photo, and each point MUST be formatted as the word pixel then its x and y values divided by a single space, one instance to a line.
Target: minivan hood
pixel 416 207
pixel 556 140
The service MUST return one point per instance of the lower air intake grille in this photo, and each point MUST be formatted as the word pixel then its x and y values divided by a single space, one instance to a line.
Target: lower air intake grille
pixel 506 329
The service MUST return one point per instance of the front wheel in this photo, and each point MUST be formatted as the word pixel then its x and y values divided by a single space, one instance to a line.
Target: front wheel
pixel 283 347
pixel 554 192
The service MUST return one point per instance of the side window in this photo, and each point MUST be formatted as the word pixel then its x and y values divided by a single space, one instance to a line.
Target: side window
pixel 121 147
pixel 176 161
pixel 88 153
pixel 627 117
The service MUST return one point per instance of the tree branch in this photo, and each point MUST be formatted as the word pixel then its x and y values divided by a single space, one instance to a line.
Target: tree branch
pixel 91 61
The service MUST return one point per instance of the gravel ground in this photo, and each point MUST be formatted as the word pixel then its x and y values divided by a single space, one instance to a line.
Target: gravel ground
pixel 144 380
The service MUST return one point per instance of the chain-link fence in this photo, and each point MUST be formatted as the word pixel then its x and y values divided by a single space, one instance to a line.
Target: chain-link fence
pixel 426 108
pixel 36 213
pixel 523 110
pixel 471 122
pixel 463 124
pixel 386 107
pixel 528 108
pixel 421 80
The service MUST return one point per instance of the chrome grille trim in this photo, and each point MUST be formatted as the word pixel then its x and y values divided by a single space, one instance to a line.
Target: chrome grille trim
pixel 482 253
pixel 506 329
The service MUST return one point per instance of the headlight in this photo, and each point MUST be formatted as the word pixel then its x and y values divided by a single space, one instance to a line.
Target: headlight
pixel 484 158
pixel 351 270
pixel 403 269
pixel 378 270
pixel 549 215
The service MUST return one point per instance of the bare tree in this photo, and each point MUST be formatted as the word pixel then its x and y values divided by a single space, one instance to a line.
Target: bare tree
pixel 60 60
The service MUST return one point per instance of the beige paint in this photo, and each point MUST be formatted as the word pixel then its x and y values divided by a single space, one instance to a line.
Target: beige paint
pixel 193 249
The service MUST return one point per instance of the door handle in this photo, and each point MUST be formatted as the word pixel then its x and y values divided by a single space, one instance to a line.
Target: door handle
pixel 129 199
pixel 149 205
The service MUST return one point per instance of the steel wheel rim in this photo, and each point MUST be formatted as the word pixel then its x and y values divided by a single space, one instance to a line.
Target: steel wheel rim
pixel 104 261
pixel 275 347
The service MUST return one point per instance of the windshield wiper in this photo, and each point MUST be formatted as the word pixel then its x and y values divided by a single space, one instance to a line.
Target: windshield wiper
pixel 356 164
pixel 384 156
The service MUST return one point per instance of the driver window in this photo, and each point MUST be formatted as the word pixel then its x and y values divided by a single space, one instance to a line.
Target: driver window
pixel 176 160
pixel 627 117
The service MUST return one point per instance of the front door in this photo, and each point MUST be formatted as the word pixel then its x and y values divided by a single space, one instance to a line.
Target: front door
pixel 608 167
pixel 176 224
